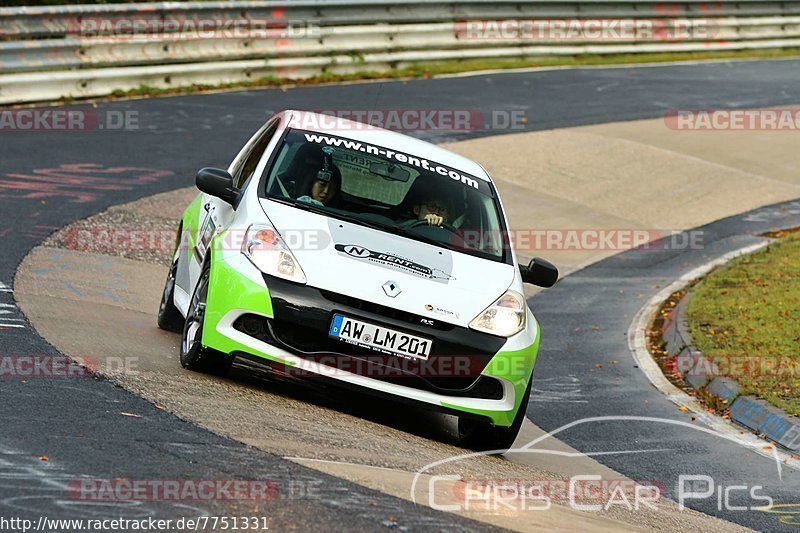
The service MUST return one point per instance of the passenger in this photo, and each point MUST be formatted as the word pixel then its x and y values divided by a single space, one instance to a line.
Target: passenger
pixel 323 184
pixel 313 173
pixel 323 192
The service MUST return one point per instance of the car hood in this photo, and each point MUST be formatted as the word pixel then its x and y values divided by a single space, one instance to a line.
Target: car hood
pixel 387 269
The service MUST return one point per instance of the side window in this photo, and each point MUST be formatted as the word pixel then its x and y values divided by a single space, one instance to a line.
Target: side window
pixel 246 166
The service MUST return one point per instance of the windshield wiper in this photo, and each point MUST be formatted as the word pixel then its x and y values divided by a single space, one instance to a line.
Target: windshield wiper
pixel 396 230
pixel 369 223
pixel 302 205
pixel 405 232
pixel 331 213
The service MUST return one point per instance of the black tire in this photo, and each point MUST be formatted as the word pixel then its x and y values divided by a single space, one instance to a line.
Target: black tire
pixel 485 436
pixel 169 318
pixel 195 356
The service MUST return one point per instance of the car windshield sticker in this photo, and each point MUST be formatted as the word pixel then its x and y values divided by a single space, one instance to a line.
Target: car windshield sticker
pixel 385 259
pixel 393 156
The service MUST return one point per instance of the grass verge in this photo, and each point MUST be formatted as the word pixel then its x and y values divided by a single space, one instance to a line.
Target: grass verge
pixel 744 317
pixel 427 70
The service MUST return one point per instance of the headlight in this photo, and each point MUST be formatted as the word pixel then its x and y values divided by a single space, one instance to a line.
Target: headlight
pixel 264 248
pixel 505 317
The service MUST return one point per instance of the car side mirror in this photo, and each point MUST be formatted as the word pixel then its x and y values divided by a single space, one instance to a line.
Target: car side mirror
pixel 218 183
pixel 539 272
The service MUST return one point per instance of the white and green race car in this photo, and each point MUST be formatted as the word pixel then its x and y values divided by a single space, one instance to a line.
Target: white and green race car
pixel 362 256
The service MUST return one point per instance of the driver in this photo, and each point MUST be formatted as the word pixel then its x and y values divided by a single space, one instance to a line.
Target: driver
pixel 432 206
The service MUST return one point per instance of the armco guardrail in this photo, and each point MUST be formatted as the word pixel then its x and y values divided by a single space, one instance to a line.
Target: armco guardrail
pixel 91 50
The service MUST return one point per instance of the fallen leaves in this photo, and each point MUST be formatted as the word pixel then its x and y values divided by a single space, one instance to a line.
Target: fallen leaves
pixel 132 415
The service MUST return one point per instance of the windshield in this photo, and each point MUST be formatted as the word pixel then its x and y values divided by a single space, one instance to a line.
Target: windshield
pixel 394 191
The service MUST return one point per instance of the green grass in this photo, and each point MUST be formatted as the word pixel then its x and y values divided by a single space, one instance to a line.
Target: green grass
pixel 426 70
pixel 746 317
pixel 453 67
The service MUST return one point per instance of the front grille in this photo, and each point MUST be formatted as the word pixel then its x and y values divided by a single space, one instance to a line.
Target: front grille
pixel 303 314
pixel 442 374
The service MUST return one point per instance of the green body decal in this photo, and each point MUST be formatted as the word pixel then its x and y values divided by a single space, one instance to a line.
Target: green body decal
pixel 516 367
pixel 228 289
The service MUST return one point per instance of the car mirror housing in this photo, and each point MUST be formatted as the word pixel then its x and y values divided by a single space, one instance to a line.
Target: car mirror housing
pixel 217 183
pixel 539 272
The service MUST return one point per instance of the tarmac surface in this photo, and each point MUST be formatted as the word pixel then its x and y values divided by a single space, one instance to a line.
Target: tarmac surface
pixel 53 178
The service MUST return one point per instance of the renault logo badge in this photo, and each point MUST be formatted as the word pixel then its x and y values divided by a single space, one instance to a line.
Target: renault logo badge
pixel 391 289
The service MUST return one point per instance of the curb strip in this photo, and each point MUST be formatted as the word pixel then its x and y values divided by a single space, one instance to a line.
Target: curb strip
pixel 701 373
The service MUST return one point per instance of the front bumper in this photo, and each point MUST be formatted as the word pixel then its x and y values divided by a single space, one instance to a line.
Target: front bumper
pixel 468 372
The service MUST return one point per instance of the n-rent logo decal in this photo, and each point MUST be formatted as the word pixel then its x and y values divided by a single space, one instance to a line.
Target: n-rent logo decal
pixel 392 261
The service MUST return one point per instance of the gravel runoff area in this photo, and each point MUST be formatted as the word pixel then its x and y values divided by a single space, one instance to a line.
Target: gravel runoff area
pixel 143 230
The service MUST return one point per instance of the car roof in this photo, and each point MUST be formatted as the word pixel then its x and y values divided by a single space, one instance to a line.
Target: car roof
pixel 310 121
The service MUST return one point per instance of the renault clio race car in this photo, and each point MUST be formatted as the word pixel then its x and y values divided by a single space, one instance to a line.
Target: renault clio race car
pixel 338 250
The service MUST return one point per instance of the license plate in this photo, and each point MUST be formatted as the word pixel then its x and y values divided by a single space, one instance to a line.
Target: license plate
pixel 379 338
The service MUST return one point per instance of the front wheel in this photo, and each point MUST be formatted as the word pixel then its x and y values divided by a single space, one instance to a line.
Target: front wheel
pixel 485 436
pixel 194 355
pixel 169 318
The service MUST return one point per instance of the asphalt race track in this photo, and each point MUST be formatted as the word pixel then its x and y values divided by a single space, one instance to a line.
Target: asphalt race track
pixel 607 295
pixel 51 178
